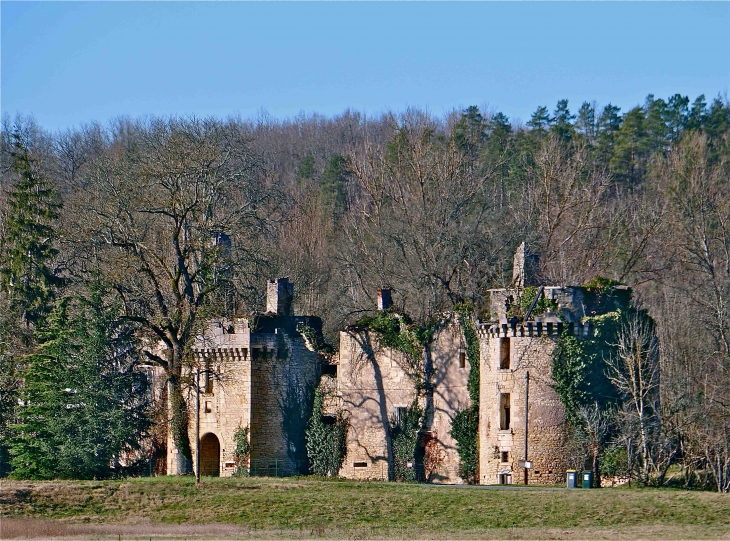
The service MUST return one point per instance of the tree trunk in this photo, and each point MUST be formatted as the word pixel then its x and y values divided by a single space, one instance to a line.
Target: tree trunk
pixel 179 440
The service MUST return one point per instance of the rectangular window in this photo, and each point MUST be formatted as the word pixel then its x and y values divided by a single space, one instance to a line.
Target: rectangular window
pixel 462 359
pixel 399 415
pixel 360 465
pixel 505 456
pixel 504 420
pixel 504 353
pixel 208 406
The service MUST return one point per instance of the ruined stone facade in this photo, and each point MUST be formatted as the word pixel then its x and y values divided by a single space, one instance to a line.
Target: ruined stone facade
pixel 258 367
pixel 254 373
pixel 374 382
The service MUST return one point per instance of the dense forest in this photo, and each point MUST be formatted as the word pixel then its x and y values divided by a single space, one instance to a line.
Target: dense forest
pixel 138 231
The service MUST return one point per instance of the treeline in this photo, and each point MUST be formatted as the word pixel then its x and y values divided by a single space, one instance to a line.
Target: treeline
pixel 170 222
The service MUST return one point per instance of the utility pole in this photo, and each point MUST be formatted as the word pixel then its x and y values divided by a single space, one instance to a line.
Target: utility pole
pixel 197 426
pixel 527 401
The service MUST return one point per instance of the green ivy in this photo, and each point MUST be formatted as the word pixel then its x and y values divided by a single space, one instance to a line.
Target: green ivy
pixel 242 450
pixel 543 304
pixel 465 430
pixel 578 364
pixel 465 426
pixel 315 339
pixel 472 350
pixel 326 444
pixel 398 332
pixel 404 434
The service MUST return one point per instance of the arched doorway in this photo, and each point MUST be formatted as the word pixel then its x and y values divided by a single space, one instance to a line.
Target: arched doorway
pixel 210 452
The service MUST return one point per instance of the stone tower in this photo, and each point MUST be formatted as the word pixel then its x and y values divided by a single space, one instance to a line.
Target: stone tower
pixel 525 267
pixel 280 297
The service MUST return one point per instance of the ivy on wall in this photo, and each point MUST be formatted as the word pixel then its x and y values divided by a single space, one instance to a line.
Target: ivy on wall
pixel 404 433
pixel 465 425
pixel 242 452
pixel 326 443
pixel 541 306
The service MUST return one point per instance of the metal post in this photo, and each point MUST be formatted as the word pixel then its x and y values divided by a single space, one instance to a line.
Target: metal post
pixel 527 400
pixel 197 426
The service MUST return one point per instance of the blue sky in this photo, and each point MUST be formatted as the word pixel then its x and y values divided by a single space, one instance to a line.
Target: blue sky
pixel 70 63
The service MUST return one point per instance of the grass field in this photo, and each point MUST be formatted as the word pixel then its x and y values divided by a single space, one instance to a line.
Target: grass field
pixel 174 508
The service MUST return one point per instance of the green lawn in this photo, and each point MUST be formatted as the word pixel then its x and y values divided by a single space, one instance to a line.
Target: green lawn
pixel 346 509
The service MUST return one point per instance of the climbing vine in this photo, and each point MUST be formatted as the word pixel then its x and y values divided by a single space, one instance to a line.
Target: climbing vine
pixel 404 432
pixel 315 339
pixel 578 364
pixel 399 332
pixel 326 443
pixel 541 306
pixel 465 426
pixel 242 452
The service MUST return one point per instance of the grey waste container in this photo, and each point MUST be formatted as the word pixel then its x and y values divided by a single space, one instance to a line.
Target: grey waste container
pixel 587 478
pixel 572 478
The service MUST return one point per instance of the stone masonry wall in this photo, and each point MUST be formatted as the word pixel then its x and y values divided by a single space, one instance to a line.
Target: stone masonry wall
pixel 546 428
pixel 372 383
pixel 254 376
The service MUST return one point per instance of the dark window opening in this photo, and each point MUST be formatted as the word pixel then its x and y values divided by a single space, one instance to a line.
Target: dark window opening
pixel 329 370
pixel 504 353
pixel 504 418
pixel 462 359
pixel 208 406
pixel 360 465
pixel 400 415
pixel 505 456
pixel 329 420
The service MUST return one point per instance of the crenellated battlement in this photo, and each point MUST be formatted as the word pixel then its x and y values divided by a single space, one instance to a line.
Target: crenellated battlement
pixel 534 329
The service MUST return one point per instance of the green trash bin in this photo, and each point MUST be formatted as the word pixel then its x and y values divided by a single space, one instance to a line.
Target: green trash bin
pixel 587 479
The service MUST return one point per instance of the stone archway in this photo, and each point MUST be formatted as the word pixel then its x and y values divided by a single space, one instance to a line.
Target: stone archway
pixel 210 455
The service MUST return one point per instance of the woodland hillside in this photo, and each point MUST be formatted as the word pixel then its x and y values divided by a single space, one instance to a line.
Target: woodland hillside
pixel 116 234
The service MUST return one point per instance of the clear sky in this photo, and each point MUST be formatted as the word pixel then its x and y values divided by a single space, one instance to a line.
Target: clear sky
pixel 70 63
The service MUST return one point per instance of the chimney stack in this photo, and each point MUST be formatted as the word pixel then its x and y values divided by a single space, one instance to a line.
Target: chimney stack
pixel 525 267
pixel 279 297
pixel 385 300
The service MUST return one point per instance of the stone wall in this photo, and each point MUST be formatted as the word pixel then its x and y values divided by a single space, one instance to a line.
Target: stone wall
pixel 373 381
pixel 254 376
pixel 501 441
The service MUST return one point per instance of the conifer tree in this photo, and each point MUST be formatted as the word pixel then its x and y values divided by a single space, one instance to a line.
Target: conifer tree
pixel 84 404
pixel 27 247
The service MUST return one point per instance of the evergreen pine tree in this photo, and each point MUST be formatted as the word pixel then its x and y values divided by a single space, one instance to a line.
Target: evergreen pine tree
pixel 631 148
pixel 540 121
pixel 609 122
pixel 585 124
pixel 332 187
pixel 562 121
pixel 84 404
pixel 27 247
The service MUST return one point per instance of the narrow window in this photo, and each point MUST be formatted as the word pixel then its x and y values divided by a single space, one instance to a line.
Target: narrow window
pixel 360 465
pixel 462 359
pixel 400 415
pixel 504 420
pixel 208 406
pixel 504 353
pixel 505 456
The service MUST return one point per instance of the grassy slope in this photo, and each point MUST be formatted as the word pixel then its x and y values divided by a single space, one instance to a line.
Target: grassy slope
pixel 351 509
